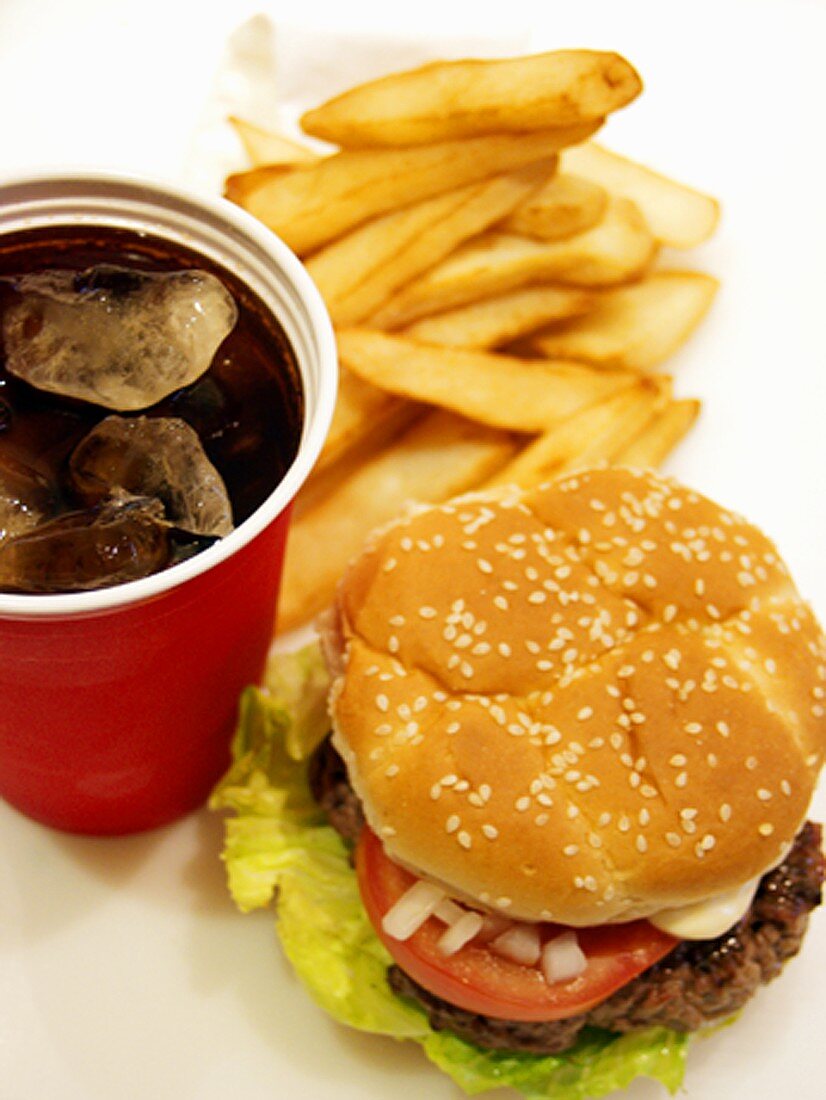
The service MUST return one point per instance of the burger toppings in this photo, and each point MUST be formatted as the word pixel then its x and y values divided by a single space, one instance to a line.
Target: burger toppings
pixel 460 933
pixel 695 984
pixel 563 958
pixel 707 919
pixel 412 909
pixel 480 977
pixel 520 943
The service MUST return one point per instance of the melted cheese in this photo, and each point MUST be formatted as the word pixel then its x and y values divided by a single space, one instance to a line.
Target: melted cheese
pixel 707 919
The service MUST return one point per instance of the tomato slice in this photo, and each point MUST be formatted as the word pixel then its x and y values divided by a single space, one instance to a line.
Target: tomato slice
pixel 479 980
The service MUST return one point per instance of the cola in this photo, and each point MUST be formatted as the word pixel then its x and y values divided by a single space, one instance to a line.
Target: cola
pixel 146 394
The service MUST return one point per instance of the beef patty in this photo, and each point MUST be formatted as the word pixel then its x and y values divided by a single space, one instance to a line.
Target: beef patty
pixel 699 981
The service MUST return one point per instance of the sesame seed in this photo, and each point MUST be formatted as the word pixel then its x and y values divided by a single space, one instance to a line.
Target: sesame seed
pixel 765 829
pixel 522 804
pixel 490 831
pixel 452 823
pixel 641 843
pixel 383 703
pixel 570 850
pixel 464 839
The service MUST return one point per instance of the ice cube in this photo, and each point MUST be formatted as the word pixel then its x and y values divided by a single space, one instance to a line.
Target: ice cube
pixel 155 457
pixel 26 498
pixel 115 542
pixel 113 336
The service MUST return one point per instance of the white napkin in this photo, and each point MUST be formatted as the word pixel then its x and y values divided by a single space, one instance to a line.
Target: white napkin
pixel 271 73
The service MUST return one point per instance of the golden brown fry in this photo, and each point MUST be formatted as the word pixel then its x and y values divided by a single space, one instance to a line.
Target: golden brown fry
pixel 565 206
pixel 496 321
pixel 267 147
pixel 438 457
pixel 358 273
pixel 504 392
pixel 359 405
pixel 594 434
pixel 240 185
pixel 392 422
pixel 658 438
pixel 637 326
pixel 616 250
pixel 678 215
pixel 309 206
pixel 449 99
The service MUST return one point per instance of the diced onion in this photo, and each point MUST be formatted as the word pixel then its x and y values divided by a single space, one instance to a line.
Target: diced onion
pixel 460 933
pixel 562 958
pixel 448 911
pixel 520 944
pixel 493 925
pixel 412 910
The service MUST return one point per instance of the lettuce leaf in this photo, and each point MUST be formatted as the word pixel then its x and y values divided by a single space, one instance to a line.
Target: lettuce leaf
pixel 278 842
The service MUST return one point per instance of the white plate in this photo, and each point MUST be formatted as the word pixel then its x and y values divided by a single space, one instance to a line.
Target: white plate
pixel 124 970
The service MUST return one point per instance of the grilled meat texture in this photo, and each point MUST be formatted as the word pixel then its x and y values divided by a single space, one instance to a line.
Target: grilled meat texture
pixel 698 982
pixel 330 787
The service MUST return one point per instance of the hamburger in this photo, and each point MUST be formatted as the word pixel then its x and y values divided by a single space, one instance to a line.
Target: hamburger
pixel 574 736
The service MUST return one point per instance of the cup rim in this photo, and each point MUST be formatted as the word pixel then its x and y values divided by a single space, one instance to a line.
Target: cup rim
pixel 314 430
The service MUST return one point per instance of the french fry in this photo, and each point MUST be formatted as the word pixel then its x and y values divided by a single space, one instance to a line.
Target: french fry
pixel 359 406
pixel 358 273
pixel 678 215
pixel 438 457
pixel 449 99
pixel 636 327
pixel 658 438
pixel 565 206
pixel 594 434
pixel 493 389
pixel 240 185
pixel 496 321
pixel 386 427
pixel 621 247
pixel 267 147
pixel 313 204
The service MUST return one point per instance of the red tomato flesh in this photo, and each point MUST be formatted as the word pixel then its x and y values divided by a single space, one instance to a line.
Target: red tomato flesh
pixel 479 980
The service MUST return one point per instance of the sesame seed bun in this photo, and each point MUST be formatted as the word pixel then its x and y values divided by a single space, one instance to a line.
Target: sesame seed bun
pixel 587 702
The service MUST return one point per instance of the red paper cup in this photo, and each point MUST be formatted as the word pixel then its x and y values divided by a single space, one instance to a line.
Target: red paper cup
pixel 117 706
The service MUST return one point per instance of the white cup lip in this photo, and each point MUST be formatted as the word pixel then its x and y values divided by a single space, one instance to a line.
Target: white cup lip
pixel 316 418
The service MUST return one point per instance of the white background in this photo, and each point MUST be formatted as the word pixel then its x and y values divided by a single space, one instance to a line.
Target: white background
pixel 124 970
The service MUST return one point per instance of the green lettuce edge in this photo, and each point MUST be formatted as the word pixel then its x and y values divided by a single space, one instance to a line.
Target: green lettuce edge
pixel 279 847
